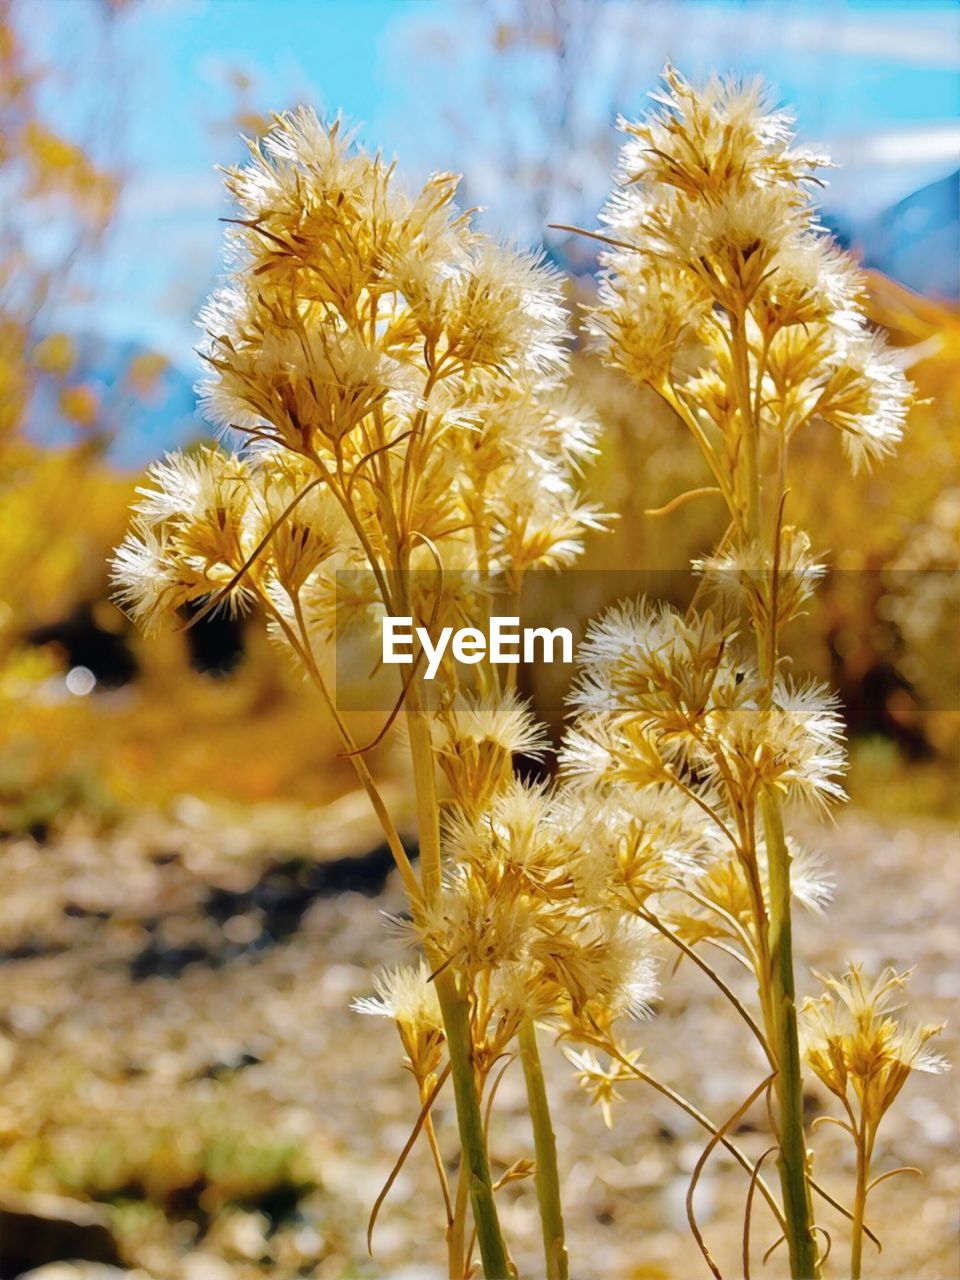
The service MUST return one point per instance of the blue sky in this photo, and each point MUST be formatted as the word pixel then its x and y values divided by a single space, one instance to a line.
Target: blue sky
pixel 878 83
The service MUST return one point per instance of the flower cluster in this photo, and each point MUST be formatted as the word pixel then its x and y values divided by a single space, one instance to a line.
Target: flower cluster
pixel 859 1051
pixel 407 444
pixel 395 381
pixel 674 726
pixel 864 1056
pixel 721 293
pixel 713 231
pixel 523 915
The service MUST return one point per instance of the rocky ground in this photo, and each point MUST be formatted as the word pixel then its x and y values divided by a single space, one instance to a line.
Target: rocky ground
pixel 177 1051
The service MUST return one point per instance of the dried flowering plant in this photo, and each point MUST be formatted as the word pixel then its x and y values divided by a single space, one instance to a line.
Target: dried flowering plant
pixel 721 292
pixel 864 1057
pixel 407 446
pixel 395 382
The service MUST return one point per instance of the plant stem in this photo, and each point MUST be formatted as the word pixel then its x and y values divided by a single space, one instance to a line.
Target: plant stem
pixel 740 358
pixel 454 1005
pixel 792 1160
pixel 456 1231
pixel 456 1020
pixel 546 1177
pixel 425 788
pixel 777 972
pixel 859 1209
pixel 302 646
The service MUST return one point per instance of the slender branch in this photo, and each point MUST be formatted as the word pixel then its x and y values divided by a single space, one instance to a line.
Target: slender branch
pixel 364 775
pixel 748 1210
pixel 835 1204
pixel 740 360
pixel 708 809
pixel 457 1260
pixel 407 1148
pixel 591 235
pixel 731 920
pixel 704 1121
pixel 701 1164
pixel 894 1173
pixel 711 973
pixel 431 1133
pixel 859 1209
pixel 866 1136
pixel 732 952
pixel 681 500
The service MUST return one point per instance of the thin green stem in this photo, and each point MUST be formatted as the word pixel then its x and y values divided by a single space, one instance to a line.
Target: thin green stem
pixel 456 1231
pixel 425 788
pixel 859 1210
pixel 456 1020
pixel 437 1155
pixel 546 1177
pixel 792 1161
pixel 740 358
pixel 454 1004
pixel 776 973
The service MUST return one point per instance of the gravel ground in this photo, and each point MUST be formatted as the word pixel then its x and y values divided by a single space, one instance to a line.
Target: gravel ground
pixel 142 995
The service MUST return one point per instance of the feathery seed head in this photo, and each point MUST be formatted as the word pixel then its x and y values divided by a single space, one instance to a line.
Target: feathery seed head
pixel 852 1041
pixel 715 240
pixel 408 996
pixel 475 738
pixel 744 578
pixel 794 744
pixel 517 844
pixel 645 314
pixel 706 140
pixel 603 965
pixel 188 538
pixel 633 844
pixel 866 397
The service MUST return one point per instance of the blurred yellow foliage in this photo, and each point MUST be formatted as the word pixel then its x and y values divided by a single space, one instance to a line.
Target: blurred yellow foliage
pixel 48 180
pixel 57 166
pixel 59 511
pixel 55 354
pixel 144 371
pixel 80 404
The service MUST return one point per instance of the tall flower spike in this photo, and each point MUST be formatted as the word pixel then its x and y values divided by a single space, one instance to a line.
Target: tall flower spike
pixel 396 380
pixel 721 292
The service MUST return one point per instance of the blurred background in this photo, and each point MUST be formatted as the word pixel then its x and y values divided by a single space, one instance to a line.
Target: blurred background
pixel 178 836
